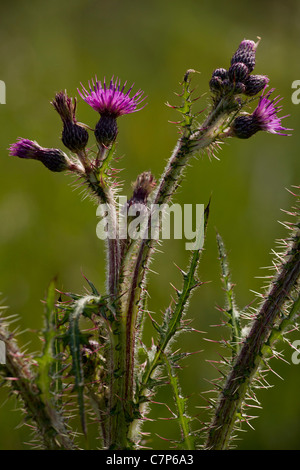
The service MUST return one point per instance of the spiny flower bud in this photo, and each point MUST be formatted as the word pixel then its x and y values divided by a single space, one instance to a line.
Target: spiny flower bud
pixel 245 54
pixel 238 72
pixel 244 127
pixel 254 84
pixel 215 84
pixel 239 88
pixel 227 85
pixel 106 130
pixel 222 73
pixel 142 187
pixel 53 159
pixel 74 135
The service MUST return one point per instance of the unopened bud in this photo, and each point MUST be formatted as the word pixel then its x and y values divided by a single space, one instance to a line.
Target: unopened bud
pixel 215 84
pixel 74 137
pixel 222 73
pixel 239 88
pixel 142 187
pixel 227 85
pixel 245 54
pixel 238 72
pixel 254 84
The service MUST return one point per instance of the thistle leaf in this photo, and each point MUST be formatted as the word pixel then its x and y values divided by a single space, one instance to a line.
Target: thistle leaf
pixel 75 339
pixel 47 361
pixel 182 417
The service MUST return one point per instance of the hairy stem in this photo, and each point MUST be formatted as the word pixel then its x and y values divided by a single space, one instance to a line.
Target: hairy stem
pixel 50 424
pixel 250 356
pixel 105 196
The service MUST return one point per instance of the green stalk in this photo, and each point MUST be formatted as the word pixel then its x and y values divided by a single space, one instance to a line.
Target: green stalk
pixel 184 420
pixel 253 349
pixel 230 310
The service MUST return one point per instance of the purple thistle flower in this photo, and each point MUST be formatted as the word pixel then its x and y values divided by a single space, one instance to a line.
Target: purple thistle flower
pixel 53 159
pixel 24 148
pixel 266 114
pixel 264 118
pixel 111 100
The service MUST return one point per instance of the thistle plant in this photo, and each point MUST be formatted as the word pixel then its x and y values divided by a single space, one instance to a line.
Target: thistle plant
pixel 94 354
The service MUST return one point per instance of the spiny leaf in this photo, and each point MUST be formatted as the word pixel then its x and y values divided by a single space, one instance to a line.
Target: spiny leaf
pixel 75 340
pixel 47 360
pixel 93 288
pixel 183 419
pixel 187 102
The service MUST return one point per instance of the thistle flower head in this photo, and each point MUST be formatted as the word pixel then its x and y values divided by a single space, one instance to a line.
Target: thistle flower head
pixel 264 118
pixel 111 100
pixel 53 159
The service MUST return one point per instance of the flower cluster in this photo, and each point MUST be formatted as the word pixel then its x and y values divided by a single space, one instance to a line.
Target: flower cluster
pixel 110 102
pixel 237 78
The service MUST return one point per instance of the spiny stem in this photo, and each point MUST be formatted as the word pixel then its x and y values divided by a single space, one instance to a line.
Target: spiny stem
pixel 250 356
pixel 50 424
pixel 231 310
pixel 105 196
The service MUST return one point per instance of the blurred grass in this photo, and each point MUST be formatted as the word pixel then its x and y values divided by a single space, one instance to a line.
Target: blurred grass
pixel 47 229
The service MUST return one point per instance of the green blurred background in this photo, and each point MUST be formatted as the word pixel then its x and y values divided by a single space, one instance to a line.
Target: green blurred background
pixel 47 229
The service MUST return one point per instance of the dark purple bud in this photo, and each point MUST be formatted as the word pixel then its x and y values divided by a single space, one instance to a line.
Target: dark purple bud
pixel 215 84
pixel 222 73
pixel 74 135
pixel 106 130
pixel 254 84
pixel 227 85
pixel 245 54
pixel 238 72
pixel 53 159
pixel 244 127
pixel 239 88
